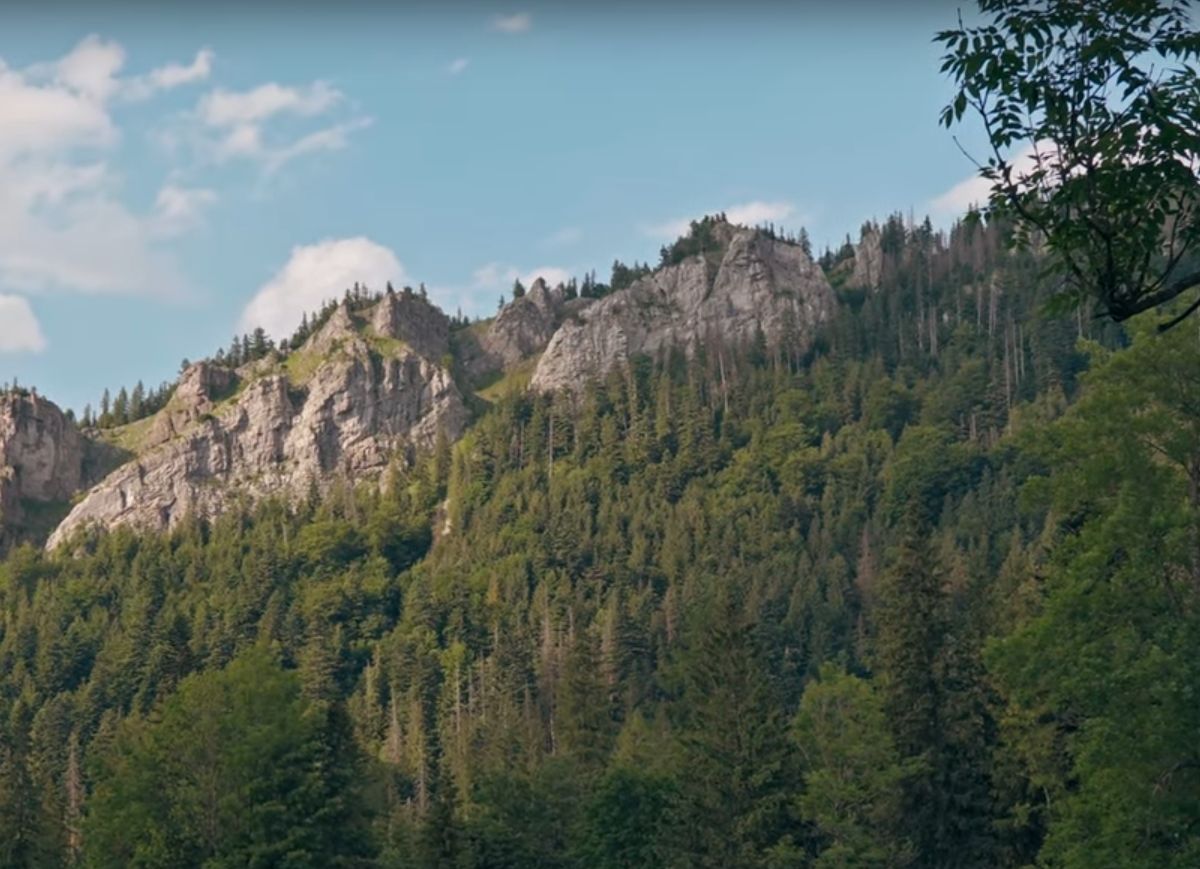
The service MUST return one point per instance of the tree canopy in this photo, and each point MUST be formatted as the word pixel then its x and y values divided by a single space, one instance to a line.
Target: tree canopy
pixel 1090 111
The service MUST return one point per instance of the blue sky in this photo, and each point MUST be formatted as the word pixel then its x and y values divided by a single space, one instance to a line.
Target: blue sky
pixel 165 181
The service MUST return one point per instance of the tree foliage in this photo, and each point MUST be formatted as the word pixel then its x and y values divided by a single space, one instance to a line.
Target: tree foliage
pixel 1090 111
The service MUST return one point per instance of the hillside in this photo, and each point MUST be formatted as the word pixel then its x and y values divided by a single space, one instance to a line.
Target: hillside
pixel 381 375
pixel 753 562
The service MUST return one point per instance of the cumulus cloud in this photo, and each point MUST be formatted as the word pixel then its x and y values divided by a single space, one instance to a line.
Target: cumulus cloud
pixel 62 222
pixel 315 273
pixel 746 214
pixel 48 118
pixel 92 70
pixel 458 65
pixel 91 67
pixel 517 23
pixel 20 331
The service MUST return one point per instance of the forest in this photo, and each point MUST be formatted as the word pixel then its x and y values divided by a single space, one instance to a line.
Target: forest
pixel 925 595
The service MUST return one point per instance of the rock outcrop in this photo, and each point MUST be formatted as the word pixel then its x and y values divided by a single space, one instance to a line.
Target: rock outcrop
pixel 377 378
pixel 360 389
pixel 752 283
pixel 520 331
pixel 868 260
pixel 412 319
pixel 41 450
pixel 42 458
pixel 200 387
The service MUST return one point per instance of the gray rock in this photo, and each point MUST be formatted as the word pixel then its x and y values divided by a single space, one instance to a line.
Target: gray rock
pixel 200 387
pixel 412 319
pixel 40 448
pixel 757 283
pixel 285 432
pixel 520 331
pixel 42 459
pixel 868 260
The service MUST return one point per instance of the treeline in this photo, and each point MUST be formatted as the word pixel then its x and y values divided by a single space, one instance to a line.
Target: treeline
pixel 129 405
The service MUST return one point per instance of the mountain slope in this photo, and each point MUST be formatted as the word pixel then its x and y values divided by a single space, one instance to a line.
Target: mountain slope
pixel 388 376
pixel 361 388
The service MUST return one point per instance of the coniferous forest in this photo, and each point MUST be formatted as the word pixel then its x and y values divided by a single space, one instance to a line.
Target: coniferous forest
pixel 924 596
pixel 923 592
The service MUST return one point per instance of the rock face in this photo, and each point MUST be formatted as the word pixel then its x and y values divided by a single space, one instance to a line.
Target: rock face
pixel 200 387
pixel 360 389
pixel 521 330
pixel 757 283
pixel 40 448
pixel 410 318
pixel 376 379
pixel 868 260
pixel 42 457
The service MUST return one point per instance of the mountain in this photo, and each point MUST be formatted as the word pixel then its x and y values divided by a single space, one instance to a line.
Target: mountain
pixel 745 284
pixel 386 376
pixel 912 585
pixel 365 385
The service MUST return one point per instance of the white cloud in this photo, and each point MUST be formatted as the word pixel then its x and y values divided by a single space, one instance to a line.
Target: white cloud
pixel 63 225
pixel 333 138
pixel 963 195
pixel 552 275
pixel 170 76
pixel 458 65
pixel 64 221
pixel 91 71
pixel 236 124
pixel 315 273
pixel 746 214
pixel 974 191
pixel 38 117
pixel 518 23
pixel 20 331
pixel 179 208
pixel 91 67
pixel 87 242
pixel 223 108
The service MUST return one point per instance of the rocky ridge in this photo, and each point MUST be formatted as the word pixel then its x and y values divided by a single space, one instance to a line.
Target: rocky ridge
pixel 521 330
pixel 383 377
pixel 750 283
pixel 357 391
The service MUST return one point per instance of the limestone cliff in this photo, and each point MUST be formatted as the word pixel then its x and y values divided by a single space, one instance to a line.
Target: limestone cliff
pixel 364 386
pixel 520 331
pixel 42 459
pixel 868 259
pixel 377 378
pixel 749 282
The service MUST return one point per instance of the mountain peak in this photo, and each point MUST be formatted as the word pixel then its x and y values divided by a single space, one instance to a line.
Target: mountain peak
pixel 724 283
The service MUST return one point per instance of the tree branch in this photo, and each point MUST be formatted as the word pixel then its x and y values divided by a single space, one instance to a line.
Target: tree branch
pixel 1175 321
